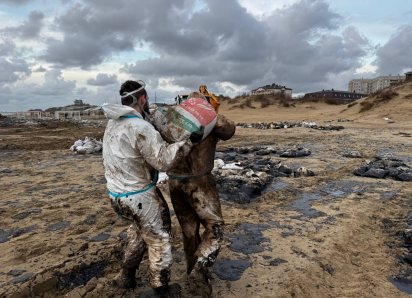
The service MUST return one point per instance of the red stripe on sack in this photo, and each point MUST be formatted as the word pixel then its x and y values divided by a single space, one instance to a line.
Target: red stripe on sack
pixel 200 109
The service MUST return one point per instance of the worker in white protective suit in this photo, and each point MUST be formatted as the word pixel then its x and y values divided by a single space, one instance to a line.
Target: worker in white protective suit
pixel 133 152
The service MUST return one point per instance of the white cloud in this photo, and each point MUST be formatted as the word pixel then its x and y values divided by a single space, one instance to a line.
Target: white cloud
pixel 262 8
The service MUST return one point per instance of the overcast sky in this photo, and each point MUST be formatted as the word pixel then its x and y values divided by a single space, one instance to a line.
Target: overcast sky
pixel 55 51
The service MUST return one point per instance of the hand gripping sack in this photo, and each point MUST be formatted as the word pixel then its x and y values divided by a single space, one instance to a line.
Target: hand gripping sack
pixel 177 123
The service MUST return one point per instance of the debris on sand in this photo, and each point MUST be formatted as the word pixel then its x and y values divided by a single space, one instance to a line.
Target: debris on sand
pixel 243 174
pixel 281 124
pixel 14 121
pixel 304 172
pixel 389 120
pixel 294 152
pixel 5 170
pixel 232 166
pixel 384 166
pixel 246 177
pixel 88 146
pixel 354 154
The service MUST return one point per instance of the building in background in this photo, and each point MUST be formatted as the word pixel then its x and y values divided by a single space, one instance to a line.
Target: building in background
pixel 78 106
pixel 340 97
pixel 273 90
pixel 408 76
pixel 368 86
pixel 383 82
pixel 363 86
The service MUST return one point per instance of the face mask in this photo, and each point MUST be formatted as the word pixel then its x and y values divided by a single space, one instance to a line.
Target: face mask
pixel 125 94
pixel 145 110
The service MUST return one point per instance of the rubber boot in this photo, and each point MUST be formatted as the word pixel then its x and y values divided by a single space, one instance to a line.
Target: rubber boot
pixel 127 279
pixel 173 291
pixel 199 281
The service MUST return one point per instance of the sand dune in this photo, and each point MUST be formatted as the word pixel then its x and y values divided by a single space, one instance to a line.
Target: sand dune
pixel 398 109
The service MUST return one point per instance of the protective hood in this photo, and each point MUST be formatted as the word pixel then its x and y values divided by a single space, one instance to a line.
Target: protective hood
pixel 116 111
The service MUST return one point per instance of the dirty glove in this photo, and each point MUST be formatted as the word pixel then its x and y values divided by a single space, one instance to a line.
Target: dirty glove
pixel 197 136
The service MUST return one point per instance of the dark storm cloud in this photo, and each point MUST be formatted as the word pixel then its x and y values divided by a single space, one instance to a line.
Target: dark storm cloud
pixel 221 43
pixel 97 30
pixel 305 46
pixel 396 55
pixel 30 28
pixel 102 79
pixel 290 47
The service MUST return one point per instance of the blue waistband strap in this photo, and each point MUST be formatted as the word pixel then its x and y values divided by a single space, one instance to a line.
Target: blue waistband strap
pixel 189 177
pixel 117 196
pixel 130 193
pixel 153 183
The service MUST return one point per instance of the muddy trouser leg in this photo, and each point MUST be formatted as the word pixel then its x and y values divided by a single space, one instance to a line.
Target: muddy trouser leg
pixel 189 222
pixel 135 248
pixel 194 201
pixel 151 216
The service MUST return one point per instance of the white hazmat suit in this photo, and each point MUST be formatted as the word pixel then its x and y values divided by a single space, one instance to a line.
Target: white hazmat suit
pixel 133 152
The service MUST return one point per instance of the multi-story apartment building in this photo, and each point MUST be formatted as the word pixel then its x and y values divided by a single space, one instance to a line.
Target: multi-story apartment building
pixel 368 86
pixel 363 86
pixel 383 82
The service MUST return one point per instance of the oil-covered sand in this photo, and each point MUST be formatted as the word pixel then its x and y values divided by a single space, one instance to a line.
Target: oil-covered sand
pixel 331 235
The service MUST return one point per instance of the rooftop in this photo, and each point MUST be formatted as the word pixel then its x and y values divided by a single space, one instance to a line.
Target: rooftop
pixel 337 91
pixel 273 86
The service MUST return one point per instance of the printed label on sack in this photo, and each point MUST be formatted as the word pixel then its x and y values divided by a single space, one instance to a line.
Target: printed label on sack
pixel 201 109
pixel 179 120
pixel 176 123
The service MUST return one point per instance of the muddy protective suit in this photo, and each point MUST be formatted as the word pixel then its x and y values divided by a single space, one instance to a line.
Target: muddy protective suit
pixel 132 152
pixel 195 198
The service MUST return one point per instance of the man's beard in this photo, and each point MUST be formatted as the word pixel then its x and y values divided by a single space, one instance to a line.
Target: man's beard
pixel 146 107
pixel 146 111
